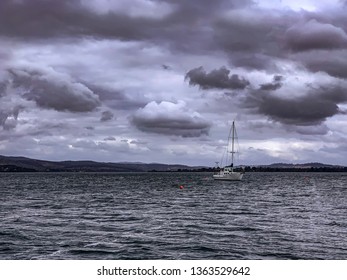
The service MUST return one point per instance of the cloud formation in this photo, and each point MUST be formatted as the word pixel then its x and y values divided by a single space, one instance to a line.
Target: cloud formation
pixel 106 116
pixel 9 116
pixel 53 90
pixel 66 18
pixel 95 76
pixel 170 119
pixel 276 83
pixel 312 108
pixel 314 35
pixel 216 79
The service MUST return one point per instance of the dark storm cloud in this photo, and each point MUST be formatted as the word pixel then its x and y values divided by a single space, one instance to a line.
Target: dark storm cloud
pixel 309 130
pixel 305 110
pixel 204 6
pixel 258 39
pixel 117 99
pixel 311 109
pixel 270 86
pixel 242 31
pixel 319 42
pixel 190 27
pixel 106 116
pixel 313 35
pixel 202 10
pixel 218 79
pixel 187 25
pixel 53 90
pixel 110 138
pixel 170 119
pixel 332 62
pixel 65 18
pixel 276 83
pixel 252 38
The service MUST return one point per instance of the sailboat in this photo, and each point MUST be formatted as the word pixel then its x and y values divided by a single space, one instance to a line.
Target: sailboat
pixel 228 173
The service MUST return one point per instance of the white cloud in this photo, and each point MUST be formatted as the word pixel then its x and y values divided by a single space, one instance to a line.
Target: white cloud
pixel 170 119
pixel 138 8
pixel 298 5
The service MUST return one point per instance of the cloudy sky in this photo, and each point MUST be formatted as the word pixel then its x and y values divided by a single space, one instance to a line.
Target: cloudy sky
pixel 162 80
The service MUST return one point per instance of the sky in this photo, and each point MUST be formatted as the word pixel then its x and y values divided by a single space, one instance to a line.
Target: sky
pixel 162 80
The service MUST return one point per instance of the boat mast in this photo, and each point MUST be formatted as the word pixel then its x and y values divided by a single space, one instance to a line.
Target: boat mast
pixel 232 144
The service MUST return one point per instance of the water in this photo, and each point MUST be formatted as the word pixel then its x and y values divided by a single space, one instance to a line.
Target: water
pixel 147 216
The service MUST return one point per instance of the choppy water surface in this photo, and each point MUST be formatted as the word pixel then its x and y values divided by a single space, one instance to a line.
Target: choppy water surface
pixel 147 216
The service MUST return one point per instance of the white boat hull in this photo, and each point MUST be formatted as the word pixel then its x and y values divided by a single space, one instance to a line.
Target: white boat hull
pixel 233 176
pixel 227 173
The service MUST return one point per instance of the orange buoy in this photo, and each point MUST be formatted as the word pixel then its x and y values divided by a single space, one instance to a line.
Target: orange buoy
pixel 181 187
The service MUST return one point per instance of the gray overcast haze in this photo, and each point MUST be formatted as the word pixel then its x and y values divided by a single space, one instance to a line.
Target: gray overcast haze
pixel 162 80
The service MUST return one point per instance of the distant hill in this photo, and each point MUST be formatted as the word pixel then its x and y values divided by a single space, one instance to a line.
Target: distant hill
pixel 301 165
pixel 23 164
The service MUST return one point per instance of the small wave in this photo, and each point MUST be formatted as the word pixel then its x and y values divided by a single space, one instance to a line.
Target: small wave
pixel 146 216
pixel 86 251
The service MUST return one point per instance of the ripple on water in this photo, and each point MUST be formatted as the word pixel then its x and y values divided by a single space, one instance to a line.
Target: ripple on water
pixel 147 216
